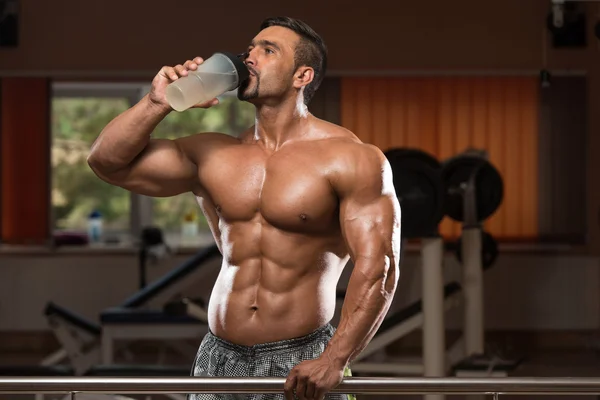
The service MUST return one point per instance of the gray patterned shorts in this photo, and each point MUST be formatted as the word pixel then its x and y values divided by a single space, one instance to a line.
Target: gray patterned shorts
pixel 217 357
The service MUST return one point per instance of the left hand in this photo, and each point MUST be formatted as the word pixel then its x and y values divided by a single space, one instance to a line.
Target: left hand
pixel 312 379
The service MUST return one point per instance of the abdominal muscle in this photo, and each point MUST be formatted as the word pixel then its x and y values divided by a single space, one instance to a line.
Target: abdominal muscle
pixel 273 285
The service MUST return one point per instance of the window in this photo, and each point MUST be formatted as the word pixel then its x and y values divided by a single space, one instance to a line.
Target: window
pixel 76 191
pixel 79 112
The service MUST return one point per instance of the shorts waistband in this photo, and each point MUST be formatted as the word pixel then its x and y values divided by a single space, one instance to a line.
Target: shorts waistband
pixel 325 332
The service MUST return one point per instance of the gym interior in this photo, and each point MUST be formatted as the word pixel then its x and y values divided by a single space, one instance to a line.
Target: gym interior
pixel 486 111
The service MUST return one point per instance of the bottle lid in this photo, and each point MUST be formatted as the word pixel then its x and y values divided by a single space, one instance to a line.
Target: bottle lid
pixel 95 214
pixel 239 65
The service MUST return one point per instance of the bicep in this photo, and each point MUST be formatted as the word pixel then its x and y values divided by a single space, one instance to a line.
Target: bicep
pixel 371 228
pixel 162 169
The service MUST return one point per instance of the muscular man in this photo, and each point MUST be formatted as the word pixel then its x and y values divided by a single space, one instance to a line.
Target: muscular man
pixel 289 202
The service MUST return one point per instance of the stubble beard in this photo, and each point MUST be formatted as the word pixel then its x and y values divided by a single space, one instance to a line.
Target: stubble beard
pixel 244 94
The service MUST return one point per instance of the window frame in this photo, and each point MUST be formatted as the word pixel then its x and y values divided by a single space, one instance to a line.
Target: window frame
pixel 139 211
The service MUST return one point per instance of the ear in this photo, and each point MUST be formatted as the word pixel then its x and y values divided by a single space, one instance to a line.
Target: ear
pixel 303 76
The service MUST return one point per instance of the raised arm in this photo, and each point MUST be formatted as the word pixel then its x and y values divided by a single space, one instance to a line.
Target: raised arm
pixel 370 222
pixel 125 155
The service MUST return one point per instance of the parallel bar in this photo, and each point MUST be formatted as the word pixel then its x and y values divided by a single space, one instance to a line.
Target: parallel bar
pixel 418 386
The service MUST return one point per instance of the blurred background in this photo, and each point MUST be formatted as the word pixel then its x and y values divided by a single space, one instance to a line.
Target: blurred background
pixel 517 79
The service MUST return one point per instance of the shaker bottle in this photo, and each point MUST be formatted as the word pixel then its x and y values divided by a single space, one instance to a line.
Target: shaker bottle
pixel 218 74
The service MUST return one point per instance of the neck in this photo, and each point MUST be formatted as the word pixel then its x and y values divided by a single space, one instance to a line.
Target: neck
pixel 276 124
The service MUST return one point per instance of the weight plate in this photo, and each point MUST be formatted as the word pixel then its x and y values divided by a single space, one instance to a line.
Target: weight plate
pixel 419 188
pixel 489 250
pixel 488 182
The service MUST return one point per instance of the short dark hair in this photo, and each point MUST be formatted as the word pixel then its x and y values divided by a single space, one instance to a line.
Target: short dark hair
pixel 311 50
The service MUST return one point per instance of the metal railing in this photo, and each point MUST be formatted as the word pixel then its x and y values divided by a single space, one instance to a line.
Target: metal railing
pixel 414 386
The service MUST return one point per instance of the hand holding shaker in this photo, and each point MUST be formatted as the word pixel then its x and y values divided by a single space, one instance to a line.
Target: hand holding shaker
pixel 220 73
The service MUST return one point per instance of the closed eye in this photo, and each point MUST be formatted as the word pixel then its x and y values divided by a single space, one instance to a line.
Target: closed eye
pixel 269 46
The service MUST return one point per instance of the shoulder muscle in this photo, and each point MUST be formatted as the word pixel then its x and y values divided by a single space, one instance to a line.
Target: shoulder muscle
pixel 197 147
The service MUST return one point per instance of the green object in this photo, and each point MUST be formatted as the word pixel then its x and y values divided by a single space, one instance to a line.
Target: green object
pixel 348 372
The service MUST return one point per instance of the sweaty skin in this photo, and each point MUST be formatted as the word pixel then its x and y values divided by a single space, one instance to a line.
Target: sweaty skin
pixel 289 202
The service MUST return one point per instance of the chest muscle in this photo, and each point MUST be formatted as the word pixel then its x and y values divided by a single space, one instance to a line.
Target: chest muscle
pixel 282 191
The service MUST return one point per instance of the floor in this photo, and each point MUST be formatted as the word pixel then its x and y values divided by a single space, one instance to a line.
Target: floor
pixel 571 363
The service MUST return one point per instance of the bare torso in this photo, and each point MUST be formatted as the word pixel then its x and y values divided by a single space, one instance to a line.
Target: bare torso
pixel 275 218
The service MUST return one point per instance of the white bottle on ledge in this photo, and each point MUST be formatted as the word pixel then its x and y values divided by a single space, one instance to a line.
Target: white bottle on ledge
pixel 95 227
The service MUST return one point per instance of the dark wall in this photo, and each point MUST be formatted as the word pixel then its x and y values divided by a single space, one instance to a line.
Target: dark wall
pixel 114 36
pixel 562 158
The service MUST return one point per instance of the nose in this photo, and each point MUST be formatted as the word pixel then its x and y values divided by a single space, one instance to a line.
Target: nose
pixel 248 58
